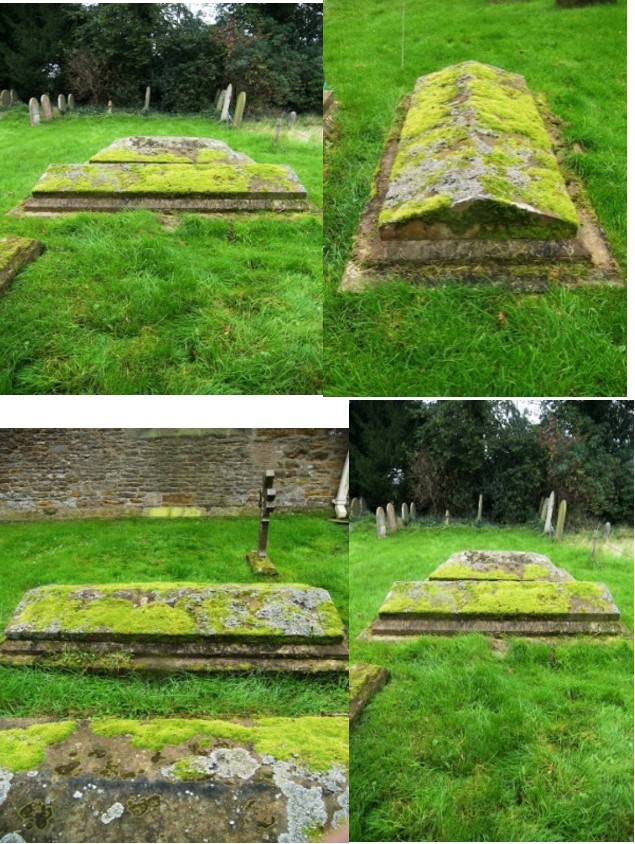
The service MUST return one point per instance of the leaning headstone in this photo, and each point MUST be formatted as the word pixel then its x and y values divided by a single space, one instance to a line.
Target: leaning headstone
pixel 47 112
pixel 15 253
pixel 34 111
pixel 240 109
pixel 562 516
pixel 413 511
pixel 5 98
pixel 146 103
pixel 606 532
pixel 356 509
pixel 292 119
pixel 380 519
pixel 405 514
pixel 218 105
pixel 70 102
pixel 391 518
pixel 551 502
pixel 61 103
pixel 173 779
pixel 224 115
pixel 479 514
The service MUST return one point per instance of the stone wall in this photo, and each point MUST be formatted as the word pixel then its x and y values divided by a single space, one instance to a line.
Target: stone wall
pixel 80 473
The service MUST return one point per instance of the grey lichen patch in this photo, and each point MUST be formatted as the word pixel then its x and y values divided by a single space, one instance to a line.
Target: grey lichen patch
pixel 475 161
pixel 306 810
pixel 5 784
pixel 226 763
pixel 111 814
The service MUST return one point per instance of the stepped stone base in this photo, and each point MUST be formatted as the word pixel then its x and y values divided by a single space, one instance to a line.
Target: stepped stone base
pixel 365 681
pixel 203 780
pixel 262 566
pixel 15 253
pixel 177 627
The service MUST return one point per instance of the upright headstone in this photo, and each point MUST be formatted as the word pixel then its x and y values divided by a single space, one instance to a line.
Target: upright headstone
pixel 47 111
pixel 356 510
pixel 292 119
pixel 61 103
pixel 109 106
pixel 34 111
pixel 224 115
pixel 380 518
pixel 14 96
pixel 240 109
pixel 479 514
pixel 363 506
pixel 391 518
pixel 549 515
pixel 405 514
pixel 146 104
pixel 413 511
pixel 606 532
pixel 562 516
pixel 5 98
pixel 447 517
pixel 71 102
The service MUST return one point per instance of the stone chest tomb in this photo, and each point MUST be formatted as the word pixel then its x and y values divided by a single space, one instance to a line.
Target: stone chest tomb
pixel 469 187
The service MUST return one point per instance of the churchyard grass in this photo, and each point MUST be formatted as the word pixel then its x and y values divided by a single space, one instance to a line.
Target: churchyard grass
pixel 305 548
pixel 123 304
pixel 471 742
pixel 403 340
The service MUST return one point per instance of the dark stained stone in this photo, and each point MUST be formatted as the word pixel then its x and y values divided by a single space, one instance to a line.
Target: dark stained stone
pixel 270 779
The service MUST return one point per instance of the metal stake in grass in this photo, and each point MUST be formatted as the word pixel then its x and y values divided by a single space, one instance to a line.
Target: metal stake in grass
pixel 259 560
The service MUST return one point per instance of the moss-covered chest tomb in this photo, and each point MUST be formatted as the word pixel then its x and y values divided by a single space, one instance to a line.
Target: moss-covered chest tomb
pixel 469 187
pixel 177 626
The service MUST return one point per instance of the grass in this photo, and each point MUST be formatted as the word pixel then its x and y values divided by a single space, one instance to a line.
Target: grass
pixel 403 340
pixel 125 304
pixel 472 743
pixel 306 549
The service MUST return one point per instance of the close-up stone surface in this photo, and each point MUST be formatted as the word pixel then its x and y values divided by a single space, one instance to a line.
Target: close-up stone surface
pixel 170 780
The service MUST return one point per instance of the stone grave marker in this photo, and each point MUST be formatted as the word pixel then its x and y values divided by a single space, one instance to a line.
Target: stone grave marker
pixel 109 109
pixel 166 627
pixel 469 187
pixel 292 119
pixel 71 102
pixel 146 102
pixel 446 518
pixel 224 115
pixel 405 514
pixel 61 103
pixel 5 98
pixel 380 518
pixel 562 516
pixel 34 111
pixel 363 506
pixel 549 516
pixel 47 111
pixel 259 560
pixel 356 508
pixel 240 109
pixel 413 511
pixel 15 253
pixel 479 513
pixel 391 518
pixel 219 100
pixel 170 779
pixel 365 681
pixel 14 96
pixel 606 532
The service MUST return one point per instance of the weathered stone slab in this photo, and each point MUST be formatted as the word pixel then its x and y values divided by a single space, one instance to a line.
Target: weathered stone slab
pixel 365 681
pixel 475 161
pixel 177 626
pixel 5 98
pixel 15 253
pixel 520 608
pixel 169 150
pixel 267 779
pixel 474 194
pixel 499 565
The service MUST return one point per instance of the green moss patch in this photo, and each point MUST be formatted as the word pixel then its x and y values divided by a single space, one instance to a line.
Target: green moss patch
pixel 314 742
pixel 22 749
pixel 494 599
pixel 475 160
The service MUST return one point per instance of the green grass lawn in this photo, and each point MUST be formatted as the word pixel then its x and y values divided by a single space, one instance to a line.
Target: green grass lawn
pixel 469 743
pixel 306 549
pixel 123 304
pixel 402 340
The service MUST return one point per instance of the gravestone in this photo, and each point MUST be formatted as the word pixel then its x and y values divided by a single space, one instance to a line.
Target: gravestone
pixel 15 253
pixel 365 681
pixel 71 102
pixel 606 533
pixel 391 518
pixel 61 103
pixel 219 100
pixel 166 627
pixel 171 779
pixel 356 508
pixel 292 119
pixel 562 516
pixel 405 514
pixel 47 111
pixel 14 96
pixel 240 109
pixel 446 518
pixel 479 514
pixel 146 102
pixel 5 98
pixel 224 115
pixel 34 111
pixel 469 187
pixel 259 560
pixel 549 515
pixel 413 511
pixel 380 518
pixel 499 565
pixel 109 109
pixel 363 506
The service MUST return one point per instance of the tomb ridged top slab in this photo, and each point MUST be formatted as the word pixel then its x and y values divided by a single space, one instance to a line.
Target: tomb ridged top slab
pixel 499 565
pixel 169 150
